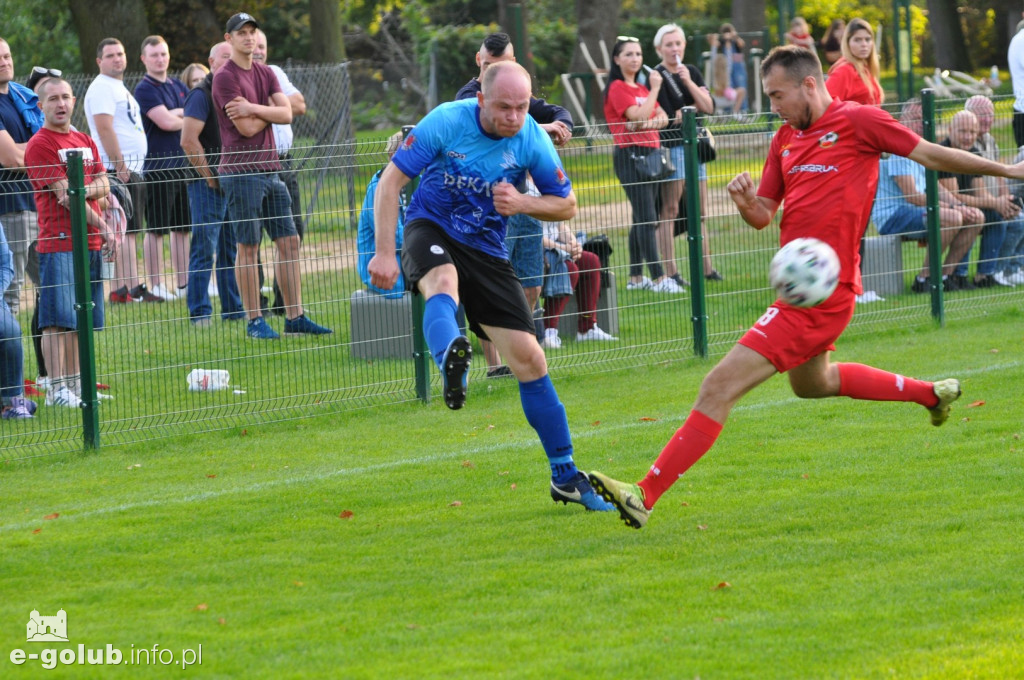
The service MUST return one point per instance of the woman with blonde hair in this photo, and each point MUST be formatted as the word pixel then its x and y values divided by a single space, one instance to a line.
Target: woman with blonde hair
pixel 854 77
pixel 193 74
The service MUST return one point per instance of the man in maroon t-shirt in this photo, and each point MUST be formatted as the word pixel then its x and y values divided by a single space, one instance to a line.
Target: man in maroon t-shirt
pixel 249 100
pixel 823 162
pixel 46 157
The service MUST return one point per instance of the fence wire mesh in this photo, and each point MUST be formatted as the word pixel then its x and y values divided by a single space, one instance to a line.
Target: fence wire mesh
pixel 146 350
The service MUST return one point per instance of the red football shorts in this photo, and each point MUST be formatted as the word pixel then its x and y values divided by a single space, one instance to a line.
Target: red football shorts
pixel 788 336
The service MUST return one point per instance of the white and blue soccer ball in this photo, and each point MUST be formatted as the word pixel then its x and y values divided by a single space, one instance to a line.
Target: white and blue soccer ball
pixel 804 272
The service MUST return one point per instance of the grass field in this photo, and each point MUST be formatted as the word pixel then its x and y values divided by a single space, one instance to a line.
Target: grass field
pixel 834 539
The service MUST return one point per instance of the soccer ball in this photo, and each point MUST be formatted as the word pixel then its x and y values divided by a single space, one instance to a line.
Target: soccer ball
pixel 804 272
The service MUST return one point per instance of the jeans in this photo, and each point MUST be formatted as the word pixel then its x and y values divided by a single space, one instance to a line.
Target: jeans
pixel 643 246
pixel 991 242
pixel 11 358
pixel 211 236
pixel 1011 254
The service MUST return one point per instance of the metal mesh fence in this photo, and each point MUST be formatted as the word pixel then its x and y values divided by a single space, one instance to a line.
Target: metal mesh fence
pixel 147 350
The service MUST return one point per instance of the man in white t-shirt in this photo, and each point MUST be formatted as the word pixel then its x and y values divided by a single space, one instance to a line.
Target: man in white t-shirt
pixel 1015 58
pixel 115 123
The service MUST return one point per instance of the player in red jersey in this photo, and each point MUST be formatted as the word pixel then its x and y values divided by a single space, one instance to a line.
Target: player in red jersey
pixel 823 163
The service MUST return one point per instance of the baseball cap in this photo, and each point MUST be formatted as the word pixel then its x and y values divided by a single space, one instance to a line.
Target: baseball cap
pixel 239 20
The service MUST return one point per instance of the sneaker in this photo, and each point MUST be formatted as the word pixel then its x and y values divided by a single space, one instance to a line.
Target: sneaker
pixel 301 325
pixel 454 369
pixel 680 281
pixel 869 296
pixel 142 294
pixel 162 293
pixel 20 408
pixel 1016 278
pixel 578 490
pixel 628 499
pixel 121 296
pixel 920 285
pixel 1002 280
pixel 595 333
pixel 43 382
pixel 30 389
pixel 643 284
pixel 667 285
pixel 947 391
pixel 713 275
pixel 984 281
pixel 499 372
pixel 201 322
pixel 961 282
pixel 211 288
pixel 259 330
pixel 62 396
pixel 551 339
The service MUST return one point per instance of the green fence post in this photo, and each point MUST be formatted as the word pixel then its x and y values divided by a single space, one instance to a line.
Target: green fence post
pixel 83 301
pixel 932 195
pixel 694 233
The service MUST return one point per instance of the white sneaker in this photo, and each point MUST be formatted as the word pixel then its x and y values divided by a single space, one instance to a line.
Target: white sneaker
pixel 42 383
pixel 162 293
pixel 1016 278
pixel 869 296
pixel 643 284
pixel 551 339
pixel 211 289
pixel 62 396
pixel 1002 280
pixel 667 285
pixel 595 333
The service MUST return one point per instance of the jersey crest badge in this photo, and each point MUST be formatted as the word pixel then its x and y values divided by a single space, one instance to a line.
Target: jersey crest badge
pixel 828 140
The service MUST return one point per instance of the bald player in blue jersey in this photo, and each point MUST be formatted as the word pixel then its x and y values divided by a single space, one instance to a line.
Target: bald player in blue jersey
pixel 470 154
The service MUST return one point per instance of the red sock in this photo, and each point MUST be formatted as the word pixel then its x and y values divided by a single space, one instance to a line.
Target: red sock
pixel 688 444
pixel 858 381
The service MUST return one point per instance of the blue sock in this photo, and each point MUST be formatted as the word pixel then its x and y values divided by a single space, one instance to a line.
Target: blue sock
pixel 439 325
pixel 546 415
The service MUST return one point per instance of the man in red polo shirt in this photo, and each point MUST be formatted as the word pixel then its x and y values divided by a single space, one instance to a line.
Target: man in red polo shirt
pixel 823 162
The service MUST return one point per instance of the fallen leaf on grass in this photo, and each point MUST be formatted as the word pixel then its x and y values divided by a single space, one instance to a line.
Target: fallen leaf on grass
pixel 503 473
pixel 685 504
pixel 52 515
pixel 722 586
pixel 648 419
pixel 595 423
pixel 244 433
pixel 513 487
pixel 210 476
pixel 468 464
pixel 455 504
pixel 702 527
pixel 221 621
pixel 413 626
pixel 974 404
pixel 202 607
pixel 298 584
pixel 346 514
pixel 36 531
pixel 489 427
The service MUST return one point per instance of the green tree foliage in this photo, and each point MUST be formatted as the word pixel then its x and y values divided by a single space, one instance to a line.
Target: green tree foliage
pixel 33 29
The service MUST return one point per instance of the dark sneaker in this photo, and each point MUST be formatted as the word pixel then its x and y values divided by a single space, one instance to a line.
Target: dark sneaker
pixel 962 283
pixel 121 296
pixel 259 330
pixel 713 275
pixel 20 408
pixel 142 294
pixel 454 369
pixel 947 391
pixel 920 285
pixel 984 281
pixel 628 499
pixel 680 281
pixel 578 490
pixel 499 372
pixel 301 325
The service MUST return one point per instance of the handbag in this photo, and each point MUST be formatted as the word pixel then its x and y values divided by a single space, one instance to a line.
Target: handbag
pixel 706 151
pixel 652 165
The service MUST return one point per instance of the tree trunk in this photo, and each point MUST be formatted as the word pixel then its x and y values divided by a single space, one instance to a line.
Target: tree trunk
pixel 121 19
pixel 748 15
pixel 948 36
pixel 512 19
pixel 596 20
pixel 326 45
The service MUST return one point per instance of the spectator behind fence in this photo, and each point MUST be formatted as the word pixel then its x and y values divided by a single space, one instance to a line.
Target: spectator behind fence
pixel 634 118
pixel 46 159
pixel 1014 253
pixel 523 233
pixel 454 248
pixel 13 403
pixel 1015 58
pixel 284 137
pixel 365 236
pixel 193 74
pixel 729 43
pixel 20 118
pixel 115 122
pixel 682 85
pixel 162 102
pixel 248 100
pixel 799 34
pixel 570 270
pixel 900 208
pixel 854 77
pixel 832 42
pixel 211 234
pixel 1013 237
pixel 970 189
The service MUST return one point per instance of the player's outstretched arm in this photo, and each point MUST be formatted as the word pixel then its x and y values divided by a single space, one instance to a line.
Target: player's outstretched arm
pixel 938 157
pixel 755 210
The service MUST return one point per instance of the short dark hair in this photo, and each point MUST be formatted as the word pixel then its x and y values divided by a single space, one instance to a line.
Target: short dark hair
pixel 797 62
pixel 104 43
pixel 150 40
pixel 497 43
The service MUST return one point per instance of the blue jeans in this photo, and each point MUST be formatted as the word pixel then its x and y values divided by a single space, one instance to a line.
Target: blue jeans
pixel 258 202
pixel 11 358
pixel 211 236
pixel 1011 254
pixel 991 242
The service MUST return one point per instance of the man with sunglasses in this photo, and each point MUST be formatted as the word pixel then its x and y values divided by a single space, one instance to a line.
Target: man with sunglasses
pixel 20 118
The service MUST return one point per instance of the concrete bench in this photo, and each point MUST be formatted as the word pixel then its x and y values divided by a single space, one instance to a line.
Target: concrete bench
pixel 381 327
pixel 882 265
pixel 607 311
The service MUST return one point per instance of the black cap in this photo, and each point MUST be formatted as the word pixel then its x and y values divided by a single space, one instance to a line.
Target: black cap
pixel 239 20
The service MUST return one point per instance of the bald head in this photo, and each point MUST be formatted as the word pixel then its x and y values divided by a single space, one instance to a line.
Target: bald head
pixel 963 131
pixel 220 54
pixel 982 108
pixel 504 99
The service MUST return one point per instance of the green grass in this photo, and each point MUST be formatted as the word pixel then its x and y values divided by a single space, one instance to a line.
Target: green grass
pixel 857 540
